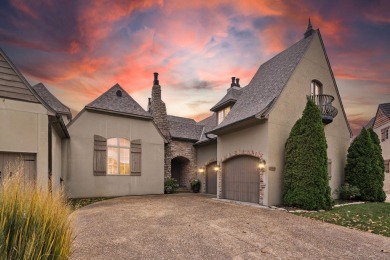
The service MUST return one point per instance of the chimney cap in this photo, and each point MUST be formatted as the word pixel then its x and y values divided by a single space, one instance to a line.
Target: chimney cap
pixel 156 81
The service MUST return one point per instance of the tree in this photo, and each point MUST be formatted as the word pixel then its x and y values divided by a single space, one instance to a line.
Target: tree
pixel 365 167
pixel 306 181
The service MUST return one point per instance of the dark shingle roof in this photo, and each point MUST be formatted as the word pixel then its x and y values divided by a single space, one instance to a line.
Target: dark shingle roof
pixel 267 84
pixel 385 107
pixel 124 104
pixel 184 128
pixel 51 100
pixel 231 97
pixel 208 124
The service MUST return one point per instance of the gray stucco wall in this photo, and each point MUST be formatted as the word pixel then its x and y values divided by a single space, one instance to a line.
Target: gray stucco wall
pixel 56 161
pixel 79 178
pixel 24 129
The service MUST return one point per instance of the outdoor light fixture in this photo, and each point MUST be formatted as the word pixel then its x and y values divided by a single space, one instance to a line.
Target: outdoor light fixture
pixel 216 168
pixel 201 170
pixel 262 164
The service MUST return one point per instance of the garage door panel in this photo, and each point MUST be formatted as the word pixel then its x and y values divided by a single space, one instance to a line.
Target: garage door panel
pixel 211 178
pixel 241 179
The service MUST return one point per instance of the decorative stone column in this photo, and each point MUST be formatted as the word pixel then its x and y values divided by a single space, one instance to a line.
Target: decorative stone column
pixel 262 188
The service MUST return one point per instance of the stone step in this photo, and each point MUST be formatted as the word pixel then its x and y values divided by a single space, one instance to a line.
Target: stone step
pixel 182 190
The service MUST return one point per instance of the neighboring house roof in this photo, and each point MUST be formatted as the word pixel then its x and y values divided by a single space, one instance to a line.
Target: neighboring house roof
pixel 184 128
pixel 12 83
pixel 230 98
pixel 258 97
pixel 51 100
pixel 117 100
pixel 385 107
pixel 370 123
pixel 208 124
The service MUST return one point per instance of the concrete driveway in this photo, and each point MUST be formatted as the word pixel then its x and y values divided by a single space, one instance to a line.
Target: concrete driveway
pixel 189 226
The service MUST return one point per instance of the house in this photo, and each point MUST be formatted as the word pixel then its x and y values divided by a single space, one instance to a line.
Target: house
pixel 32 128
pixel 117 148
pixel 249 127
pixel 381 126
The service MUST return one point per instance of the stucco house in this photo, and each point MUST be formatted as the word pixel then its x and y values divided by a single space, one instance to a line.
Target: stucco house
pixel 250 125
pixel 114 147
pixel 381 126
pixel 31 129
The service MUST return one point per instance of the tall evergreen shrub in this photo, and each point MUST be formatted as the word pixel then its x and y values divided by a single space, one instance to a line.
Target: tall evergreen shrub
pixel 306 182
pixel 365 167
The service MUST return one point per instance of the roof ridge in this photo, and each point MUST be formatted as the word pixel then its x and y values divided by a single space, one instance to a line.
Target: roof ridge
pixel 51 94
pixel 105 92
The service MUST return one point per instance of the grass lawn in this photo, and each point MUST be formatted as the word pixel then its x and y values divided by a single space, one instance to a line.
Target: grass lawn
pixel 370 217
pixel 79 203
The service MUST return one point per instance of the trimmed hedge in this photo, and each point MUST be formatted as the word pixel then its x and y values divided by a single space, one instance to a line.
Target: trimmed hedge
pixel 306 181
pixel 365 166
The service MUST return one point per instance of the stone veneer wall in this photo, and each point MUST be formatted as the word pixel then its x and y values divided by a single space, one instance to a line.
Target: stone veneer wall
pixel 185 149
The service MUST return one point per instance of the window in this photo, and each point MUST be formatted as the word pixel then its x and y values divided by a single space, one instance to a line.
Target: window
pixel 118 156
pixel 222 114
pixel 316 88
pixel 385 134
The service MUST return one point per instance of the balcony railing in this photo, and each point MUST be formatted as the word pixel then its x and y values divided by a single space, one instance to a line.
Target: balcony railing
pixel 324 103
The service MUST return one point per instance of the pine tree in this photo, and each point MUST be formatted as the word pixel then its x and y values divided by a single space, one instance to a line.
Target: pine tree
pixel 365 168
pixel 306 182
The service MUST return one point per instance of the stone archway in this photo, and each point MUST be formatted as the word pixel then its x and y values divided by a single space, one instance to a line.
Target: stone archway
pixel 180 169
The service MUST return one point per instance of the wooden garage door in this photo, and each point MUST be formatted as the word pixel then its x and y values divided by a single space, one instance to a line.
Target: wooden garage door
pixel 211 178
pixel 241 179
pixel 9 164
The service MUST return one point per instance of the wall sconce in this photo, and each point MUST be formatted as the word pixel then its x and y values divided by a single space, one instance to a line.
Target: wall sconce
pixel 216 168
pixel 262 165
pixel 201 170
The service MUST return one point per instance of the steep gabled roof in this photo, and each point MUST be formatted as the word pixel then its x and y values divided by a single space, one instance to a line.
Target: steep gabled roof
pixel 230 98
pixel 208 124
pixel 51 100
pixel 12 83
pixel 184 128
pixel 258 97
pixel 370 123
pixel 116 100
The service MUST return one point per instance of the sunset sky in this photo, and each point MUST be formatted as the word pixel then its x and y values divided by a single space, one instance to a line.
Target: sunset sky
pixel 79 49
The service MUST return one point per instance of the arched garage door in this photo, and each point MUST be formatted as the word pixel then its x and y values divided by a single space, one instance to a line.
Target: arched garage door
pixel 211 178
pixel 241 179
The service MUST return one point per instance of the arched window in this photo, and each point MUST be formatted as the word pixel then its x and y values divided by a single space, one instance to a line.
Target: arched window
pixel 316 88
pixel 118 156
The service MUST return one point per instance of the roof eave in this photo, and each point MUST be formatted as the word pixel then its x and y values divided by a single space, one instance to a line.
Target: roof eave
pixel 248 121
pixel 223 105
pixel 118 113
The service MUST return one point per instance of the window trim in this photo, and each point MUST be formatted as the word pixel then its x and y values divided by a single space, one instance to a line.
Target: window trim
pixel 313 88
pixel 223 113
pixel 385 134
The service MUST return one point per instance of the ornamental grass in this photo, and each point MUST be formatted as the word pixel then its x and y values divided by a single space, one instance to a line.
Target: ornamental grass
pixel 34 224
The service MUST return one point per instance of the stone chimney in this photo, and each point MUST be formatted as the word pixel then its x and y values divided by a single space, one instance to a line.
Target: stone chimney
pixel 158 109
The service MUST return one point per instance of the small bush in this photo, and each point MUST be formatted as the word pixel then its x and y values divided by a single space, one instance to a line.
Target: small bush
pixel 33 224
pixel 170 185
pixel 195 185
pixel 348 192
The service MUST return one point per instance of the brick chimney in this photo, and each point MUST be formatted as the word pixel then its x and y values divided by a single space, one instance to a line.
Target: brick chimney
pixel 158 109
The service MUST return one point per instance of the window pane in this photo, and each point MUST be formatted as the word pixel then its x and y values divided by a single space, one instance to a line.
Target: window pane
pixel 112 160
pixel 112 142
pixel 124 161
pixel 227 110
pixel 124 142
pixel 220 116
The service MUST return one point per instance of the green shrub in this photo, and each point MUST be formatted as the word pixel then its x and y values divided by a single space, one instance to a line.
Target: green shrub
pixel 34 224
pixel 170 185
pixel 195 185
pixel 348 192
pixel 306 182
pixel 364 167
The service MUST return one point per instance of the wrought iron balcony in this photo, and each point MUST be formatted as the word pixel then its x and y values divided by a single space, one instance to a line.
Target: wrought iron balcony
pixel 324 103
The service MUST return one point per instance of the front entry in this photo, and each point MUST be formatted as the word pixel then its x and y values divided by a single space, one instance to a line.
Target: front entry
pixel 211 178
pixel 241 179
pixel 10 163
pixel 179 170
